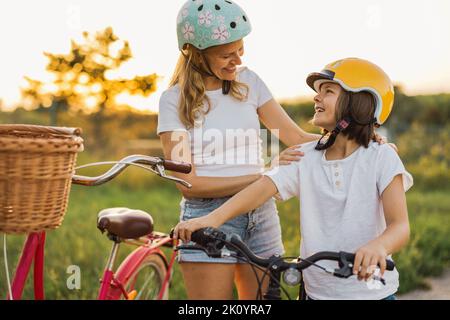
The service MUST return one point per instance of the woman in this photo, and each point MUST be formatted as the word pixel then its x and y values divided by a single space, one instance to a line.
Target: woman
pixel 210 117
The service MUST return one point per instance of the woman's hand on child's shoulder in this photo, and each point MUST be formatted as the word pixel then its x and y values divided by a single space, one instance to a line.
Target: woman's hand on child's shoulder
pixel 287 156
pixel 382 140
pixel 368 258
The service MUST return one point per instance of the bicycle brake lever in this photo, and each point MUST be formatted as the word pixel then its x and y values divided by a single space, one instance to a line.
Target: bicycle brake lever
pixel 344 271
pixel 160 171
pixel 180 181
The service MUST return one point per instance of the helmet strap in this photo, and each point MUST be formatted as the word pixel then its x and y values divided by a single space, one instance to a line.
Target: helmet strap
pixel 373 121
pixel 226 87
pixel 197 69
pixel 341 125
pixel 226 84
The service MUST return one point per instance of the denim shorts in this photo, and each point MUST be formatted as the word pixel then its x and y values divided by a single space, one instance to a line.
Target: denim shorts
pixel 260 229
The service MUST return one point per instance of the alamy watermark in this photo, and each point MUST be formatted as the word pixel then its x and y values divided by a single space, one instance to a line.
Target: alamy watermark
pixel 73 281
pixel 227 147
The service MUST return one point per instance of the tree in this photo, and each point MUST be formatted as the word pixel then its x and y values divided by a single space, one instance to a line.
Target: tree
pixel 81 82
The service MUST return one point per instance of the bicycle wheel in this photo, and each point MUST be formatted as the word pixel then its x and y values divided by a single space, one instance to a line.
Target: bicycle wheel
pixel 148 278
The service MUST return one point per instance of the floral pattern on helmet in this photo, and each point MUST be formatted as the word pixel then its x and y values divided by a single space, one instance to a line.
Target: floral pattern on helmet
pixel 205 18
pixel 188 31
pixel 221 33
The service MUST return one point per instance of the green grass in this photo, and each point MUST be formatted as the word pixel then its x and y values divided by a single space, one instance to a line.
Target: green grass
pixel 428 251
pixel 78 242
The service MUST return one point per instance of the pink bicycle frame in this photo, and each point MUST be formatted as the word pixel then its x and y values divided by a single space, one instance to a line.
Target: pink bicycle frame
pixel 33 250
pixel 112 284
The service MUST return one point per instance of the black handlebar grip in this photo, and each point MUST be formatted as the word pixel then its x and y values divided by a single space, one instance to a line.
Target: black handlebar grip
pixel 199 237
pixel 390 265
pixel 209 237
pixel 204 236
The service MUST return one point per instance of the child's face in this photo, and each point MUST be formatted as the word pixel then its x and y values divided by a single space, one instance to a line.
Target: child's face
pixel 325 105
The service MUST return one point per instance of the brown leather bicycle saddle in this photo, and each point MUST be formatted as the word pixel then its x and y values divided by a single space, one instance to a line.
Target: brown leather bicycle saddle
pixel 125 223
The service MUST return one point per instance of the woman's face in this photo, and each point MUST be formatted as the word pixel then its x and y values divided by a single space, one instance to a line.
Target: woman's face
pixel 325 105
pixel 224 59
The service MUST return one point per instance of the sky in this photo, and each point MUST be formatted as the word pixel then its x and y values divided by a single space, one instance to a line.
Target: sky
pixel 409 39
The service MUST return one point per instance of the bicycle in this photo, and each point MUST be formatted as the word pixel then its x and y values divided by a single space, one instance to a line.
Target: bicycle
pixel 217 244
pixel 146 272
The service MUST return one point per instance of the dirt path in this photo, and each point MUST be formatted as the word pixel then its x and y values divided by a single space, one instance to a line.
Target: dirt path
pixel 440 289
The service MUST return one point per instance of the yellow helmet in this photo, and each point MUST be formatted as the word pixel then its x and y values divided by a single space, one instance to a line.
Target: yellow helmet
pixel 356 75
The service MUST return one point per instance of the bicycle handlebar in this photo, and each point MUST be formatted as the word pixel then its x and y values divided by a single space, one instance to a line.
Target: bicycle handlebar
pixel 214 240
pixel 176 166
pixel 155 164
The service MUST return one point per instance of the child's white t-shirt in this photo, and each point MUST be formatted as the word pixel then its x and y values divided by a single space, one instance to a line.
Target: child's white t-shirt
pixel 226 142
pixel 341 210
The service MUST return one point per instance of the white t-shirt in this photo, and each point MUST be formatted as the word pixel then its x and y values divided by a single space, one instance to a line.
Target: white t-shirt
pixel 226 142
pixel 341 210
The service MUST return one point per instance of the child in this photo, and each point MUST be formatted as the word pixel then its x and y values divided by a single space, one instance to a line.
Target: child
pixel 351 189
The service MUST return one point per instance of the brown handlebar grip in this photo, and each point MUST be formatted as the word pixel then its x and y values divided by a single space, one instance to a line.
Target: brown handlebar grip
pixel 181 167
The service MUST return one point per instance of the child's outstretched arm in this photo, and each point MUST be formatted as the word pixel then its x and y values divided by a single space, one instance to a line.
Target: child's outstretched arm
pixel 393 238
pixel 248 199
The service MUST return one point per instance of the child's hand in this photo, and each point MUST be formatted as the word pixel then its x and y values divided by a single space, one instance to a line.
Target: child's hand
pixel 368 258
pixel 184 229
pixel 287 156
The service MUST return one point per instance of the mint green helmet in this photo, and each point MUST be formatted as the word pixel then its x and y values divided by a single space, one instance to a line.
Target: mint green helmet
pixel 208 23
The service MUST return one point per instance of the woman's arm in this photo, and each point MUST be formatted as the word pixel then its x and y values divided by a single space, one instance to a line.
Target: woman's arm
pixel 393 238
pixel 273 116
pixel 248 199
pixel 176 147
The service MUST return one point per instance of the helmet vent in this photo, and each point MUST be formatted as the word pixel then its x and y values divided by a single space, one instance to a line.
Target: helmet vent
pixel 233 25
pixel 245 18
pixel 217 7
pixel 200 8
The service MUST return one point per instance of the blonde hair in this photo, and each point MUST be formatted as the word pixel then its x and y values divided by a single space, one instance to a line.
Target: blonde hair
pixel 192 87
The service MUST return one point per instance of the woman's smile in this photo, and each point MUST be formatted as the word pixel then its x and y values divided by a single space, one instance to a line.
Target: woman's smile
pixel 230 70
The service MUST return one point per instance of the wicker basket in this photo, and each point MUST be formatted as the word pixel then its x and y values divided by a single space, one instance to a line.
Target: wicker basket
pixel 36 167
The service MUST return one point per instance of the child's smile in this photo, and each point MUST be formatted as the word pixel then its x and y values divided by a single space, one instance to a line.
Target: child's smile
pixel 325 105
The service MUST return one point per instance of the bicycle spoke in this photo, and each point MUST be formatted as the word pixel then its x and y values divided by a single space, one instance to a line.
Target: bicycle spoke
pixel 146 283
